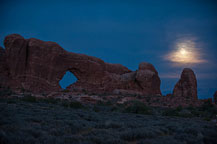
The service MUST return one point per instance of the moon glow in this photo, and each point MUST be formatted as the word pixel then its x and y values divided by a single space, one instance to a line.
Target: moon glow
pixel 187 51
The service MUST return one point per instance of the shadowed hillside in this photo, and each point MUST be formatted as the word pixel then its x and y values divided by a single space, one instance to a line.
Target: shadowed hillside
pixel 50 121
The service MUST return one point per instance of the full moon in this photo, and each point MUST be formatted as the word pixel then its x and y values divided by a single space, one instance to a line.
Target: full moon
pixel 183 52
pixel 186 52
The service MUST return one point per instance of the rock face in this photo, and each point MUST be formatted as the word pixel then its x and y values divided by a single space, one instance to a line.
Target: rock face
pixel 215 98
pixel 186 87
pixel 38 66
pixel 147 77
pixel 2 61
pixel 3 68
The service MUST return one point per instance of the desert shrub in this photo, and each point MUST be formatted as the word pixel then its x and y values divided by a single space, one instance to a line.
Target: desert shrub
pixel 209 136
pixel 108 124
pixel 44 94
pixel 56 132
pixel 148 99
pixel 194 111
pixel 207 111
pixel 140 133
pixel 96 108
pixel 179 108
pixel 71 139
pixel 138 108
pixel 11 100
pixel 115 108
pixel 186 115
pixel 84 91
pixel 191 130
pixel 100 103
pixel 22 90
pixel 160 140
pixel 3 138
pixel 75 105
pixel 118 108
pixel 209 107
pixel 102 137
pixel 139 96
pixel 175 112
pixel 103 94
pixel 49 100
pixel 49 139
pixel 101 108
pixel 6 91
pixel 65 90
pixel 191 108
pixel 71 104
pixel 29 98
pixel 187 138
pixel 33 132
pixel 206 106
pixel 64 103
pixel 108 103
pixel 206 118
pixel 170 112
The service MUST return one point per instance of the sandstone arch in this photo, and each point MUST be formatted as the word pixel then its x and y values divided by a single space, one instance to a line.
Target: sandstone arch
pixel 39 66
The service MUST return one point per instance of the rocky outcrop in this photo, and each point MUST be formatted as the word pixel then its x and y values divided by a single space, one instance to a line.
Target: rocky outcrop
pixel 38 66
pixel 215 98
pixel 148 78
pixel 3 68
pixel 186 87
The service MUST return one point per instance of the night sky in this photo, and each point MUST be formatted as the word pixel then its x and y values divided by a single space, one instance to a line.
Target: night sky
pixel 170 34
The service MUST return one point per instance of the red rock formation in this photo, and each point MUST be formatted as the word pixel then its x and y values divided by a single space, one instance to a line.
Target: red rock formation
pixel 3 66
pixel 186 87
pixel 3 69
pixel 39 66
pixel 208 100
pixel 215 98
pixel 148 78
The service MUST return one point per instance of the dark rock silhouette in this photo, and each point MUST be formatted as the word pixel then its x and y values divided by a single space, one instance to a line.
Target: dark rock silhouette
pixel 3 68
pixel 215 98
pixel 147 77
pixel 38 66
pixel 186 87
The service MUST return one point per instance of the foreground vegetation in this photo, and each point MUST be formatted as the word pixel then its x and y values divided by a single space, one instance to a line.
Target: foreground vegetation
pixel 31 120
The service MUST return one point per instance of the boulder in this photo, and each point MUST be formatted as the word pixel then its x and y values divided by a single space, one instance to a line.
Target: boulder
pixel 186 87
pixel 148 79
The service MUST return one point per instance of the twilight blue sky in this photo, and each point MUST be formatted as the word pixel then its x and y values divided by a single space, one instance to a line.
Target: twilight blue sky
pixel 126 32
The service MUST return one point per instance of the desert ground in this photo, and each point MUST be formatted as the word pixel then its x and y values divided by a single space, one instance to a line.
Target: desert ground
pixel 49 121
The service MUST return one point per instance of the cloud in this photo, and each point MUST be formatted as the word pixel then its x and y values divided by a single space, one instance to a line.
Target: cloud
pixel 170 75
pixel 198 75
pixel 206 75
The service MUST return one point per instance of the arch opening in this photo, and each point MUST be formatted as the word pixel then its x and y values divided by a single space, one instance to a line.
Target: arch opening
pixel 68 79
